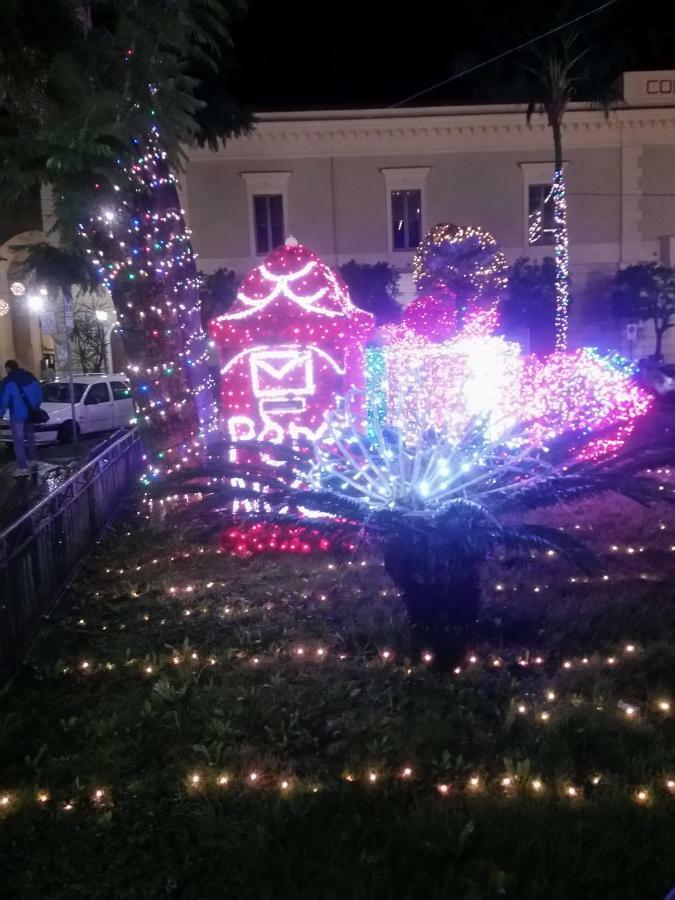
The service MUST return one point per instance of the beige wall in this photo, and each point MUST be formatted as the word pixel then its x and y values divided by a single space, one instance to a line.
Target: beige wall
pixel 658 187
pixel 337 206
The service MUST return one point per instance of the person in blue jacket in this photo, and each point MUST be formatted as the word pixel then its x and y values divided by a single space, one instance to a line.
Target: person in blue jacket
pixel 20 391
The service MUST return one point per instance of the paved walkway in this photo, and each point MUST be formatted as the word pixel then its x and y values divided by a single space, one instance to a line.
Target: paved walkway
pixel 56 462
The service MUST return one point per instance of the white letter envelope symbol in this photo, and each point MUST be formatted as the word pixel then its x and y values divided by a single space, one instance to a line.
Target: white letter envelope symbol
pixel 276 373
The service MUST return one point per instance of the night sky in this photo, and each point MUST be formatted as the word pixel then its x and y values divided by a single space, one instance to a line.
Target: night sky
pixel 330 53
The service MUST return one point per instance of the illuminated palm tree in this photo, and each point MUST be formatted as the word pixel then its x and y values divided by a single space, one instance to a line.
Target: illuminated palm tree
pixel 557 75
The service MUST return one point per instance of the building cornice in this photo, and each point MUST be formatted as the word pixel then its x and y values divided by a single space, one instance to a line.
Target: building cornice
pixel 443 131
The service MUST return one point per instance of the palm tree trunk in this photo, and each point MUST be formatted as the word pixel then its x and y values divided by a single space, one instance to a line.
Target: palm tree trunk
pixel 441 589
pixel 561 242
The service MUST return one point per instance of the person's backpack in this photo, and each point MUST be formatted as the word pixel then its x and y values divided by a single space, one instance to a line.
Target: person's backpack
pixel 36 415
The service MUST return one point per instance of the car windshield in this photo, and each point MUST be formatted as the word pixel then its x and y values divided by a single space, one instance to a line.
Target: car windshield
pixel 59 391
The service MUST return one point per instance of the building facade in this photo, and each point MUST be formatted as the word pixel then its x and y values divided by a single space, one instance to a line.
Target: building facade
pixel 367 185
pixel 33 323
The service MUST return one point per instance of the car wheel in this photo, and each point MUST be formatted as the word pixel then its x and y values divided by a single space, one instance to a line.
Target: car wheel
pixel 65 433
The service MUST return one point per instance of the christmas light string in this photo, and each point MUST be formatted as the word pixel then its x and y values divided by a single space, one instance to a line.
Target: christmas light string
pixel 158 664
pixel 504 785
pixel 562 262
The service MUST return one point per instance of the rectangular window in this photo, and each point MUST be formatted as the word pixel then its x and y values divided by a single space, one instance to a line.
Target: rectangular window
pixel 406 219
pixel 120 390
pixel 268 216
pixel 97 393
pixel 540 217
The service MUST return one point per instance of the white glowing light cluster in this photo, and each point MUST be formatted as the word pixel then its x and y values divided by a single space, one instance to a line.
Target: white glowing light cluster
pixel 384 470
pixel 446 385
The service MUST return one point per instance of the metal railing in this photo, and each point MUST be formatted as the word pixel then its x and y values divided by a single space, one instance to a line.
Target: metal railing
pixel 40 551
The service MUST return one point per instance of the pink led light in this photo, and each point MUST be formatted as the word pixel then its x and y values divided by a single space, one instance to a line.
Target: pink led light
pixel 246 540
pixel 289 344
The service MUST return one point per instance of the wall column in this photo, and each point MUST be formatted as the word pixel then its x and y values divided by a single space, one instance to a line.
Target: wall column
pixel 631 206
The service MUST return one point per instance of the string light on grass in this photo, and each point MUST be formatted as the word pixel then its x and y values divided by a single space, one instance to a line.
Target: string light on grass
pixel 642 796
pixel 443 789
pixel 42 797
pixel 537 785
pixel 406 772
pixel 663 706
pixel 222 781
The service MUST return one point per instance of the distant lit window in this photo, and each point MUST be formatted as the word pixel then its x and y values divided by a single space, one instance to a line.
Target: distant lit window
pixel 406 219
pixel 540 218
pixel 268 214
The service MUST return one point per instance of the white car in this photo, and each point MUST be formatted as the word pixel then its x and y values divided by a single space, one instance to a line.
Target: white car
pixel 102 403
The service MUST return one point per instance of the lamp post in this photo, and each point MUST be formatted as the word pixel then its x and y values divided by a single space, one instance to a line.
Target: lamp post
pixel 102 318
pixel 68 322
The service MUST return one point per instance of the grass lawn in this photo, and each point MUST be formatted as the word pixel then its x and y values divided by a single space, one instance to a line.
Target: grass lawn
pixel 201 726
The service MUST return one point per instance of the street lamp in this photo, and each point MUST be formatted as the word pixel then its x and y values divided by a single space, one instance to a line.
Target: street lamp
pixel 36 304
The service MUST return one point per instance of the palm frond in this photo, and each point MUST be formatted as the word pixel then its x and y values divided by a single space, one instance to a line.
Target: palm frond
pixel 539 537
